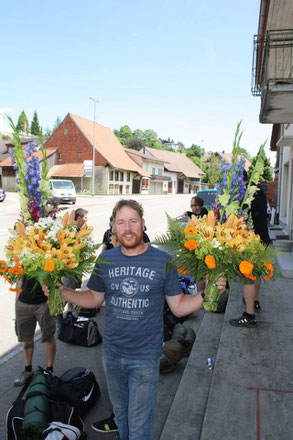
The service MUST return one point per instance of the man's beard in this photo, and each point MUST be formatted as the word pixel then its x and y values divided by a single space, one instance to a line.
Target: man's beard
pixel 135 241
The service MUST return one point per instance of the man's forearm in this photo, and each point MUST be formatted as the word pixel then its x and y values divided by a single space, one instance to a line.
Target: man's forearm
pixel 87 298
pixel 186 305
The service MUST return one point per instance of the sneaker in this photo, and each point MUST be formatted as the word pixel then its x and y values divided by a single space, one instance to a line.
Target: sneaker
pixel 257 306
pixel 106 425
pixel 23 378
pixel 244 321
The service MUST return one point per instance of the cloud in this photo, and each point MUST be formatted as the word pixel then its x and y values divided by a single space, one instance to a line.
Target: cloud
pixel 6 110
pixel 179 123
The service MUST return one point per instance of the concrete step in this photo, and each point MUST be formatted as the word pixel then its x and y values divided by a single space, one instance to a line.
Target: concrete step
pixel 186 414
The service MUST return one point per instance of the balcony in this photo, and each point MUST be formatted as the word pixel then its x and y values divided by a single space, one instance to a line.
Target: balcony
pixel 272 76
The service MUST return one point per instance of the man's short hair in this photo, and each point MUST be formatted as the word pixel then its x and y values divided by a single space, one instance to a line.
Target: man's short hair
pixel 129 204
pixel 197 201
pixel 80 212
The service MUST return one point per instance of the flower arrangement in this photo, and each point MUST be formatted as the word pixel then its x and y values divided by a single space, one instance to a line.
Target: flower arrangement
pixel 43 246
pixel 47 251
pixel 222 243
pixel 32 180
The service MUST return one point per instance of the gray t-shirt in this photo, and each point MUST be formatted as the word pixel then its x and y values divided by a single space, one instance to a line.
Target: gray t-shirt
pixel 135 289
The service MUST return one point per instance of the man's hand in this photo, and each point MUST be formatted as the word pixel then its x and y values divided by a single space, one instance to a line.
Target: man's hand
pixel 221 284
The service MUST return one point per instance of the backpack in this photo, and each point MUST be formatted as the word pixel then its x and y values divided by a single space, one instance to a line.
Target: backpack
pixel 77 386
pixel 61 431
pixel 79 331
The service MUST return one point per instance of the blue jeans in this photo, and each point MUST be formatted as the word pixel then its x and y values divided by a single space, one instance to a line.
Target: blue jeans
pixel 132 386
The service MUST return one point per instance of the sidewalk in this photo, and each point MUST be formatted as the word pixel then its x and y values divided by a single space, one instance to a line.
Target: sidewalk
pixel 248 394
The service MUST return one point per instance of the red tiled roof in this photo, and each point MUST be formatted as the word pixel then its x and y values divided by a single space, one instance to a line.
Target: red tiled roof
pixel 108 145
pixel 176 162
pixel 67 170
pixel 49 151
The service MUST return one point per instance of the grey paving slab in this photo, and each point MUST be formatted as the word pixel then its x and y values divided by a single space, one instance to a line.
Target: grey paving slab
pixel 251 394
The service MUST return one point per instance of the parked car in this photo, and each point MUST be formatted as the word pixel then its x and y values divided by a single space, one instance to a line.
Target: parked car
pixel 2 195
pixel 208 196
pixel 63 191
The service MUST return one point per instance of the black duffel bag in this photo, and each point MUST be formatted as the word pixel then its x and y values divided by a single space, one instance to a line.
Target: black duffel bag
pixel 79 331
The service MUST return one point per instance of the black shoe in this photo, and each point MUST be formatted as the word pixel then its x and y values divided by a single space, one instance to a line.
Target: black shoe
pixel 245 320
pixel 257 306
pixel 106 425
pixel 24 377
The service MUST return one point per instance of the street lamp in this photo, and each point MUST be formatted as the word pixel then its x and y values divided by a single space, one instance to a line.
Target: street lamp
pixel 94 144
pixel 201 143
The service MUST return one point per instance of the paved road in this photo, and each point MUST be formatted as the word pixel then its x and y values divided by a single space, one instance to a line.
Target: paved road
pixel 100 208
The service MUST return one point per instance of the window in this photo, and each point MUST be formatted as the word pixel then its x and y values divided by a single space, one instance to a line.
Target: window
pixel 111 175
pixel 144 183
pixel 160 172
pixel 116 189
pixel 127 189
pixel 111 188
pixel 79 154
pixel 59 156
pixel 116 176
pixel 128 177
pixel 121 176
pixel 153 171
pixel 65 131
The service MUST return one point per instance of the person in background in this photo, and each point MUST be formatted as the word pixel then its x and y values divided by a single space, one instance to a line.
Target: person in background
pixel 197 208
pixel 107 243
pixel 258 212
pixel 134 286
pixel 31 307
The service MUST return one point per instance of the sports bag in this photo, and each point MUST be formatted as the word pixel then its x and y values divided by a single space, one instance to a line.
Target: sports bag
pixel 61 431
pixel 14 416
pixel 79 331
pixel 59 410
pixel 78 386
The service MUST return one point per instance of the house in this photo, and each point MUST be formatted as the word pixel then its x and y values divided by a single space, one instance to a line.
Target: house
pixel 273 81
pixel 7 174
pixel 158 184
pixel 115 171
pixel 185 176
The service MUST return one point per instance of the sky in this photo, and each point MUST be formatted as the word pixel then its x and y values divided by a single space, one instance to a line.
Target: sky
pixel 179 67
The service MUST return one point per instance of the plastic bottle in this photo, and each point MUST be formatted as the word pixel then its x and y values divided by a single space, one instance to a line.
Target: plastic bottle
pixel 210 364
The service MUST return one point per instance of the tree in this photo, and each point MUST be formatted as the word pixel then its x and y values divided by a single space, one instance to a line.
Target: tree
pixel 212 170
pixel 57 124
pixel 48 131
pixel 4 137
pixel 152 140
pixel 124 134
pixel 195 150
pixel 135 144
pixel 35 126
pixel 22 125
pixel 267 175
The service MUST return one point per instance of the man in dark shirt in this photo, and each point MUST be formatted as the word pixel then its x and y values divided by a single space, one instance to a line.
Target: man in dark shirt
pixel 258 211
pixel 31 307
pixel 197 208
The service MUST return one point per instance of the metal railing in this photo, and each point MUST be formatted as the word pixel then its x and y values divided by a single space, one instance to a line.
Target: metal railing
pixel 272 59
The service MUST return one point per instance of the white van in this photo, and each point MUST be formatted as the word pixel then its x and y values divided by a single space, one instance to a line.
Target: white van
pixel 63 191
